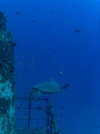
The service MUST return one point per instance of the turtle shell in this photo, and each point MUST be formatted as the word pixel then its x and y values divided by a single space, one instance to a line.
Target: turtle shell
pixel 47 87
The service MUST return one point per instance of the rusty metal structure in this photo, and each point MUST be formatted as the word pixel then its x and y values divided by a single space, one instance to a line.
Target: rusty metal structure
pixel 7 84
pixel 51 126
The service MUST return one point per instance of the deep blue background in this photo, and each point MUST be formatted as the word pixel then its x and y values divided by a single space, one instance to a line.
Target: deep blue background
pixel 50 45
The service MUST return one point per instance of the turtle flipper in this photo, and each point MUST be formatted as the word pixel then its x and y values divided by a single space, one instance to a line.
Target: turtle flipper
pixel 35 94
pixel 31 90
pixel 64 87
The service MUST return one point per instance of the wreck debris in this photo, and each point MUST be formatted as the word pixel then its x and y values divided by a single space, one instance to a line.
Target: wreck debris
pixel 7 84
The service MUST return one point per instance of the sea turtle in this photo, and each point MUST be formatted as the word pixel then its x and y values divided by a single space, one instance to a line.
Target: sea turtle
pixel 46 88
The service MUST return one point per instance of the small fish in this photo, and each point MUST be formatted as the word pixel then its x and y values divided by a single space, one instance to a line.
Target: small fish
pixel 33 21
pixel 61 73
pixel 17 12
pixel 55 51
pixel 51 39
pixel 77 30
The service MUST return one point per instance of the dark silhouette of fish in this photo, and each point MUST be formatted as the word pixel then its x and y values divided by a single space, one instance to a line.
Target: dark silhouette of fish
pixel 77 30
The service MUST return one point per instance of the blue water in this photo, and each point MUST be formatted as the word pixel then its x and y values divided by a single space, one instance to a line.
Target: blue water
pixel 47 45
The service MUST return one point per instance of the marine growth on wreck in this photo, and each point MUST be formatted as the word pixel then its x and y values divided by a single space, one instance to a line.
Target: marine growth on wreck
pixel 7 84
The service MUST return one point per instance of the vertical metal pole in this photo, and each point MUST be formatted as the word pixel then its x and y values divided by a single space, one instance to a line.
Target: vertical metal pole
pixel 7 84
pixel 29 111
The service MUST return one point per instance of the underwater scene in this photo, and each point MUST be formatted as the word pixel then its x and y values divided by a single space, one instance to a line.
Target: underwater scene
pixel 56 66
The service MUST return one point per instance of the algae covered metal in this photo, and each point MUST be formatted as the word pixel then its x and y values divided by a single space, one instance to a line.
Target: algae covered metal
pixel 7 85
